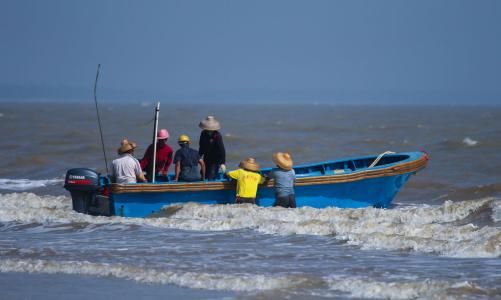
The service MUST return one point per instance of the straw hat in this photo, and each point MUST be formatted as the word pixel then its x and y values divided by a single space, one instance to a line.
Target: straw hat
pixel 162 134
pixel 126 146
pixel 283 160
pixel 210 123
pixel 249 164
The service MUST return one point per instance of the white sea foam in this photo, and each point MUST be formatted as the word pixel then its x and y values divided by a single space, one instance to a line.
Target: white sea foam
pixel 431 229
pixel 355 287
pixel 20 201
pixel 26 184
pixel 469 142
pixel 371 289
pixel 496 211
pixel 232 282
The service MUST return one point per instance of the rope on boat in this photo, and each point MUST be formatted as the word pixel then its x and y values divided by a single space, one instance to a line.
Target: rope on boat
pixel 379 158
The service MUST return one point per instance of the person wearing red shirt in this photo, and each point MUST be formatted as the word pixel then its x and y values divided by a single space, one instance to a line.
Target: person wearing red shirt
pixel 163 157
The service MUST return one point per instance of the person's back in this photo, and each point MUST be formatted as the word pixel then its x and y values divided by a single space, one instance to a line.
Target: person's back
pixel 283 180
pixel 126 168
pixel 248 179
pixel 187 162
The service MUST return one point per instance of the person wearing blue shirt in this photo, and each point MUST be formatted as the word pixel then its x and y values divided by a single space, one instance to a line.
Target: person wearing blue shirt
pixel 283 180
pixel 187 162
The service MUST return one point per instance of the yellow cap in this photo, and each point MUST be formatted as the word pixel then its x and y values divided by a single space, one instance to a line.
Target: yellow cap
pixel 183 138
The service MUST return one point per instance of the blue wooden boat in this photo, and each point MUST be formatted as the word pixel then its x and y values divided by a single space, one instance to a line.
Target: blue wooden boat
pixel 346 183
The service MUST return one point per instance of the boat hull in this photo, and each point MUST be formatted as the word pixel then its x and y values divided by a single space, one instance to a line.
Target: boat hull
pixel 347 183
pixel 375 192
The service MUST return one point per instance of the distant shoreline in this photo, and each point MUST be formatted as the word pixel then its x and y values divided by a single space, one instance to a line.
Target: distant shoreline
pixel 4 102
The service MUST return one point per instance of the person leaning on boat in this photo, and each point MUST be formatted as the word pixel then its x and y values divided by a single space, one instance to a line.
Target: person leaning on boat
pixel 248 179
pixel 163 157
pixel 126 168
pixel 283 180
pixel 212 147
pixel 187 161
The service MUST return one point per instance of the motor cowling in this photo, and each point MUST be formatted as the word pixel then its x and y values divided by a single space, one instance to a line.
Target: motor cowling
pixel 82 179
pixel 84 186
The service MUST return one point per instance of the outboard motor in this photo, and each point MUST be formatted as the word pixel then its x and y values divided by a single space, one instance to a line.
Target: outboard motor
pixel 84 186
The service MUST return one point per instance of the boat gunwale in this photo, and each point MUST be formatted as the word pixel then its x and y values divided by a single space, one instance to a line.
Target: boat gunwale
pixel 409 165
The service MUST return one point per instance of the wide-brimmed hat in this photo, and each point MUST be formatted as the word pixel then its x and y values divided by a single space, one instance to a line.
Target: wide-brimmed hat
pixel 283 160
pixel 162 134
pixel 126 146
pixel 249 164
pixel 209 123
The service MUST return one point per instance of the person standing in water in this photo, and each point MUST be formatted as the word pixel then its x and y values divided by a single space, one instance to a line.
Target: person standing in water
pixel 163 157
pixel 248 179
pixel 187 161
pixel 283 177
pixel 212 147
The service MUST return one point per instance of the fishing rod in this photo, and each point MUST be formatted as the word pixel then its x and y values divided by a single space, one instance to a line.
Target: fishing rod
pixel 99 118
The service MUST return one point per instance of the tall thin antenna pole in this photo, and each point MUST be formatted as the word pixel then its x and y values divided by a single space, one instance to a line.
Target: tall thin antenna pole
pixel 99 118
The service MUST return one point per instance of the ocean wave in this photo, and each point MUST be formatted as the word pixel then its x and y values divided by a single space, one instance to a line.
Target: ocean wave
pixel 469 142
pixel 465 193
pixel 349 286
pixel 456 143
pixel 496 211
pixel 26 184
pixel 425 289
pixel 445 229
pixel 208 281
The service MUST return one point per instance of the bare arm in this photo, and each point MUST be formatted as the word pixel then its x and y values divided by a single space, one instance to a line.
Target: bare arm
pixel 178 171
pixel 140 177
pixel 139 173
pixel 202 168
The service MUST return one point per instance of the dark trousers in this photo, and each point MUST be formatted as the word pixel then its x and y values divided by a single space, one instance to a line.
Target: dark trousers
pixel 285 201
pixel 241 200
pixel 211 170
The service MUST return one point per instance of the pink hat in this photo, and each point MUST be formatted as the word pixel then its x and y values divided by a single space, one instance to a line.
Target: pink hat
pixel 162 134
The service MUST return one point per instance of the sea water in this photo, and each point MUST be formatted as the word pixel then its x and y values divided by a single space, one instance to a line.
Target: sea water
pixel 440 240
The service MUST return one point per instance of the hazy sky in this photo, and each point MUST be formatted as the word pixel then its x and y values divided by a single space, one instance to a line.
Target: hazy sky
pixel 369 51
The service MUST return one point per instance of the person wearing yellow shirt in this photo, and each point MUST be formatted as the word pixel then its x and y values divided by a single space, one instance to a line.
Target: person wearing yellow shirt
pixel 248 179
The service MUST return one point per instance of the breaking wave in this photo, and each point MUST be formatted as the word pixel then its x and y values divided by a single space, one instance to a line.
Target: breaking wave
pixel 496 211
pixel 448 229
pixel 352 287
pixel 469 142
pixel 427 289
pixel 26 184
pixel 242 282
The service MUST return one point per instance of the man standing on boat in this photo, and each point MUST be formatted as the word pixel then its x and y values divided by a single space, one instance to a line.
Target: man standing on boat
pixel 212 147
pixel 126 168
pixel 163 157
pixel 187 161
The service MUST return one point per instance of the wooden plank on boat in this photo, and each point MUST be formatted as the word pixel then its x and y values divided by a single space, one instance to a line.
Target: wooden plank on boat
pixel 409 167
